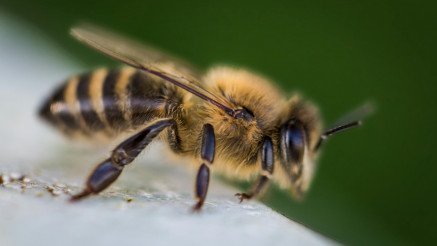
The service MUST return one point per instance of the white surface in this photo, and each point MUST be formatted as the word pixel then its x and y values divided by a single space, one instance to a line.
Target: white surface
pixel 149 205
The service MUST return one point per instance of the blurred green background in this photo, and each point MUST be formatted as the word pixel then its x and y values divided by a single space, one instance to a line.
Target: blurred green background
pixel 375 185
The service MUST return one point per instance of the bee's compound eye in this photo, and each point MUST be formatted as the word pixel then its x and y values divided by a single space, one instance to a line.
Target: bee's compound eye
pixel 296 138
pixel 294 141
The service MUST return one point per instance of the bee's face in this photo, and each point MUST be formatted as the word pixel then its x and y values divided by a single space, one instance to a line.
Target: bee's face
pixel 294 152
pixel 296 138
pixel 300 137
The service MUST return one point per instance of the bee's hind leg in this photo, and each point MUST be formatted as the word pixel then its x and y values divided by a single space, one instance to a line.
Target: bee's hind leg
pixel 267 164
pixel 109 170
pixel 207 155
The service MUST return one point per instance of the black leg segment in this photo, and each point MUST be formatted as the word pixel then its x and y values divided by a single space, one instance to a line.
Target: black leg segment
pixel 207 154
pixel 208 143
pixel 267 159
pixel 257 188
pixel 202 183
pixel 109 170
pixel 267 166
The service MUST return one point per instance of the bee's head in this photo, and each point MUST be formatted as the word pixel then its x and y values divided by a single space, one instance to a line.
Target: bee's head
pixel 298 136
pixel 300 139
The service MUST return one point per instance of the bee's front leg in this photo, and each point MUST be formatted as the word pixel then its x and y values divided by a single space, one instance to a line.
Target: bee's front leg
pixel 207 154
pixel 109 170
pixel 267 164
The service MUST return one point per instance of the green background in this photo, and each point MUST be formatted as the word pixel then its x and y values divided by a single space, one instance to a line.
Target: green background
pixel 376 184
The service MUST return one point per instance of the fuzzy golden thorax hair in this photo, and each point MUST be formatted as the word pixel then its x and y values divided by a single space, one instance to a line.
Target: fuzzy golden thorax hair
pixel 239 140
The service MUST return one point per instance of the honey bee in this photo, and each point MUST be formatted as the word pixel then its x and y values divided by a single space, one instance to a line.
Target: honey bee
pixel 229 120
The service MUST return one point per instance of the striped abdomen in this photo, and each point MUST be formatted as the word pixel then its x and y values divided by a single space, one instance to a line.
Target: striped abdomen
pixel 110 101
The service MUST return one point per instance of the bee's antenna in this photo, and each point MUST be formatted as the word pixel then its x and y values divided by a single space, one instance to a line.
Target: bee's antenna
pixel 347 122
pixel 334 131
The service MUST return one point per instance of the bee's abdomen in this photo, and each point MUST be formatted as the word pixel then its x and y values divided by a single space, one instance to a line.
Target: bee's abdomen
pixel 110 102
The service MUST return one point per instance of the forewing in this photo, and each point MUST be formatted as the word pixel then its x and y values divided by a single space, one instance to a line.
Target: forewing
pixel 129 51
pixel 148 59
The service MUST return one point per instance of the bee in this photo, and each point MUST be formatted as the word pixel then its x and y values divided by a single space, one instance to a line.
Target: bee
pixel 228 120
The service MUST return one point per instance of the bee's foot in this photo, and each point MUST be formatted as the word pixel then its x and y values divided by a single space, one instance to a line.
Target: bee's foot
pixel 243 196
pixel 197 208
pixel 79 196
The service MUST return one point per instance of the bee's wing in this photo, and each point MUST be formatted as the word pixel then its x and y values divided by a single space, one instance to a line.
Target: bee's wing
pixel 148 59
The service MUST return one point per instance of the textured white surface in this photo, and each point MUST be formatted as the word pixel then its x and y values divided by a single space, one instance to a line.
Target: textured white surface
pixel 150 203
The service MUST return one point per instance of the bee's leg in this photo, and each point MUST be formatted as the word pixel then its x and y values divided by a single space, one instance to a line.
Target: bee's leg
pixel 109 170
pixel 267 164
pixel 207 155
pixel 257 189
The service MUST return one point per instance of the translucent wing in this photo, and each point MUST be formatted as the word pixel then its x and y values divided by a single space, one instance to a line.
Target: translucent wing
pixel 148 59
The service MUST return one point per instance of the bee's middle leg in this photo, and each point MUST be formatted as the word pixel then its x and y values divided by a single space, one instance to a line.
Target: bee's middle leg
pixel 109 170
pixel 207 154
pixel 267 165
